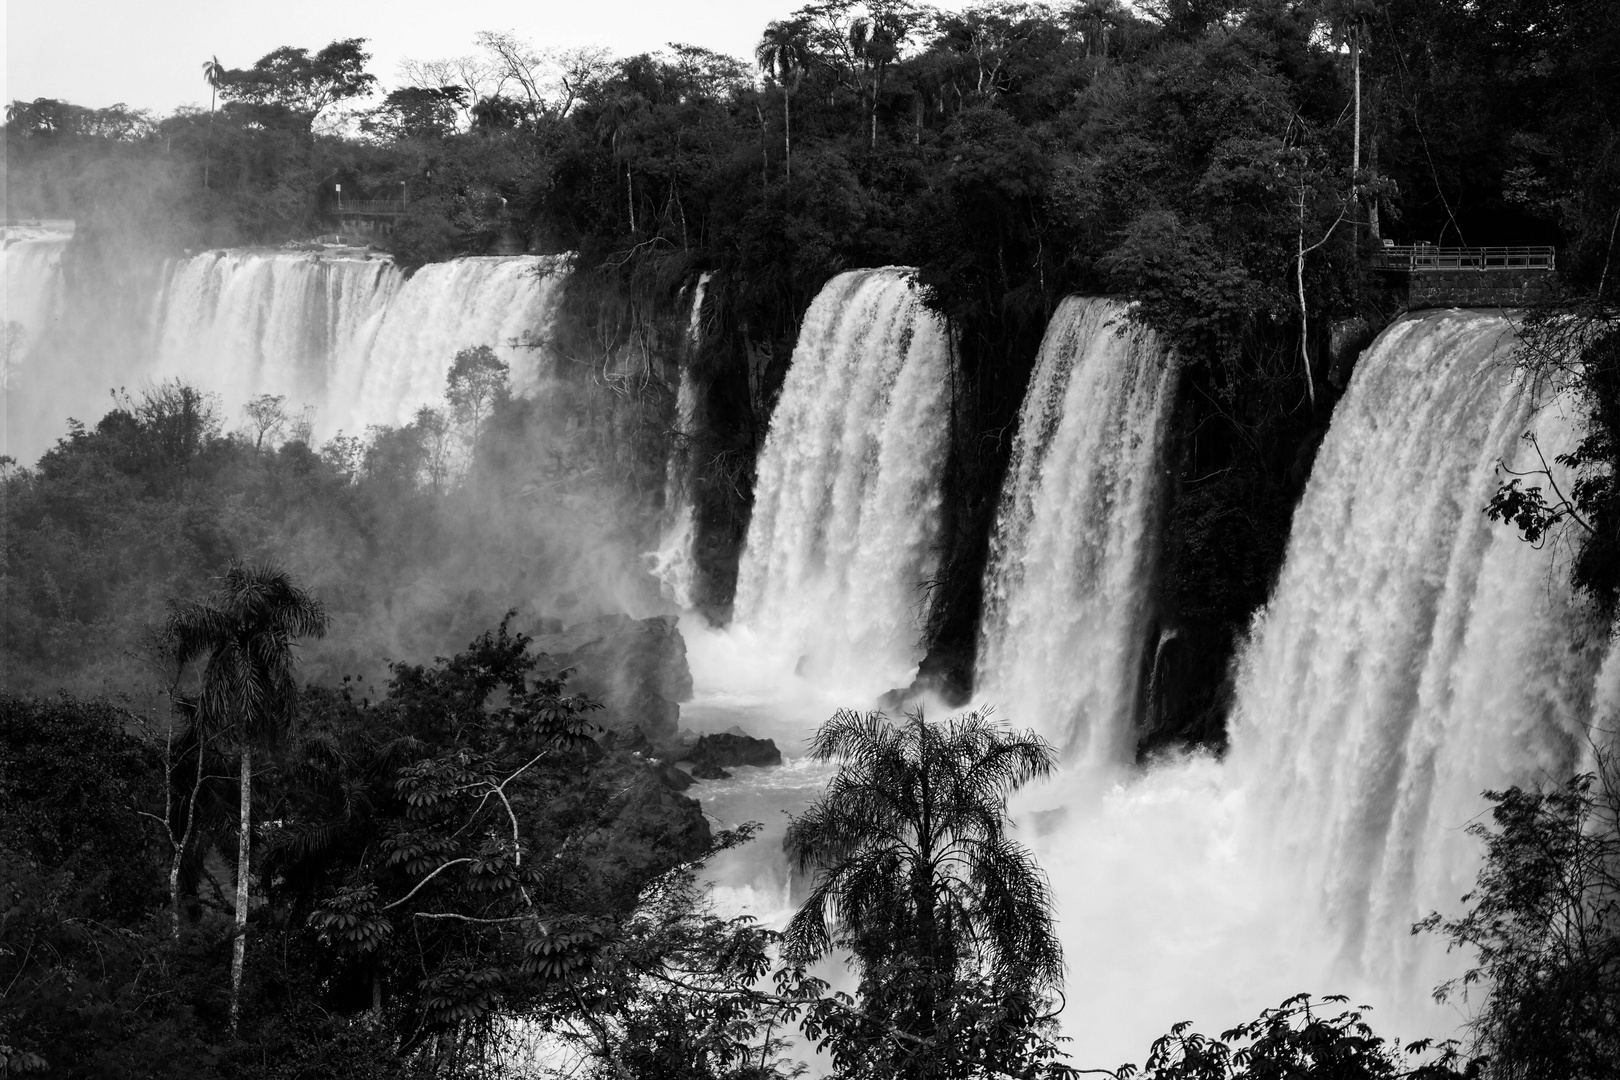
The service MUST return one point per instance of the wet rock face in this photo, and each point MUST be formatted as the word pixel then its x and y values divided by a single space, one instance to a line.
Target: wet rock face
pixel 712 753
pixel 635 667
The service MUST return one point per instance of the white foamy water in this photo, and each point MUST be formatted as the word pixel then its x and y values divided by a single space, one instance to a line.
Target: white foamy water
pixel 31 258
pixel 1414 654
pixel 847 501
pixel 348 334
pixel 1068 583
pixel 674 563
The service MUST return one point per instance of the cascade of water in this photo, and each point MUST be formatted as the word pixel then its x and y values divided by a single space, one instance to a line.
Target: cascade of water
pixel 848 496
pixel 31 259
pixel 399 357
pixel 246 322
pixel 1414 652
pixel 349 335
pixel 1068 581
pixel 32 262
pixel 674 563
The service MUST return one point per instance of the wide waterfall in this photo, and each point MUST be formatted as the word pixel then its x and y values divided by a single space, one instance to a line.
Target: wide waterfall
pixel 341 331
pixel 1067 587
pixel 251 322
pixel 1415 653
pixel 847 502
pixel 349 334
pixel 674 563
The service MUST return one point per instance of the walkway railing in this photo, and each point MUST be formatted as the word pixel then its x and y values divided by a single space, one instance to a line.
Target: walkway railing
pixel 1420 257
pixel 369 207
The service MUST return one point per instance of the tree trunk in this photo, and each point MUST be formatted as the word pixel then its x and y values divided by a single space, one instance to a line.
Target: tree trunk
pixel 184 842
pixel 630 198
pixel 243 883
pixel 1304 315
pixel 1355 142
pixel 764 152
pixel 787 136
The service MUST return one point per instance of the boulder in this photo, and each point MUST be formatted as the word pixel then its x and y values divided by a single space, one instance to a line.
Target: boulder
pixel 705 771
pixel 635 667
pixel 718 751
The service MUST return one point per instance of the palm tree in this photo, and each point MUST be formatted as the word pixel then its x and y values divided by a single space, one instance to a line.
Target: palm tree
pixel 213 74
pixel 876 42
pixel 244 633
pixel 915 872
pixel 783 53
pixel 1351 20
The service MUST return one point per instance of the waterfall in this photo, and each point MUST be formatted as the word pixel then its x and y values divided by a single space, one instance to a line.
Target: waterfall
pixel 847 501
pixel 32 261
pixel 1067 586
pixel 347 333
pixel 399 359
pixel 1414 653
pixel 246 322
pixel 674 563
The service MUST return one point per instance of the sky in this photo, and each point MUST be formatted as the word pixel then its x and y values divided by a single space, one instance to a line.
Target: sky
pixel 149 53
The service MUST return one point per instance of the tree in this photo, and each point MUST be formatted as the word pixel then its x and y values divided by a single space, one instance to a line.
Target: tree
pixel 1298 1039
pixel 1544 923
pixel 213 73
pixel 290 82
pixel 477 380
pixel 415 112
pixel 783 53
pixel 949 919
pixel 875 41
pixel 244 634
pixel 267 415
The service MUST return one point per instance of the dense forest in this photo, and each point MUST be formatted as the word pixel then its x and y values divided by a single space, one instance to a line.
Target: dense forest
pixel 1227 166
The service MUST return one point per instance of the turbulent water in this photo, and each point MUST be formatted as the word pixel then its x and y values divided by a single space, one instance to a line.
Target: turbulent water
pixel 1413 654
pixel 348 334
pixel 1067 588
pixel 674 563
pixel 847 501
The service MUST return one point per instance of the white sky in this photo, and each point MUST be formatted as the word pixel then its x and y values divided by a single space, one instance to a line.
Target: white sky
pixel 149 53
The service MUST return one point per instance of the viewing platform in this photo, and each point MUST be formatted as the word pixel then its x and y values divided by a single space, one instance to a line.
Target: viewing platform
pixel 1431 276
pixel 367 216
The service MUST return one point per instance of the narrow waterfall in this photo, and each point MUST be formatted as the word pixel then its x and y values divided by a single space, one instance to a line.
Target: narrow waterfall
pixel 348 334
pixel 674 562
pixel 32 261
pixel 1414 653
pixel 1067 587
pixel 847 502
pixel 34 301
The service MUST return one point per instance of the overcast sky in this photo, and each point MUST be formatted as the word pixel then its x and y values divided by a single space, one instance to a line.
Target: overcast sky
pixel 149 53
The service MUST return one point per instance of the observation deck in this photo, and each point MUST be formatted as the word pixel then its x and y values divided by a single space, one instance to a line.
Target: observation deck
pixel 1431 276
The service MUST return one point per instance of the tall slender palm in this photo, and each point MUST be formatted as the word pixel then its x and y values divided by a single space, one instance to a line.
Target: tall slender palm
pixel 914 866
pixel 244 634
pixel 783 53
pixel 213 74
pixel 876 41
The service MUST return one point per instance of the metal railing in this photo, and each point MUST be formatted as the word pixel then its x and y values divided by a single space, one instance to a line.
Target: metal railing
pixel 1420 257
pixel 371 207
